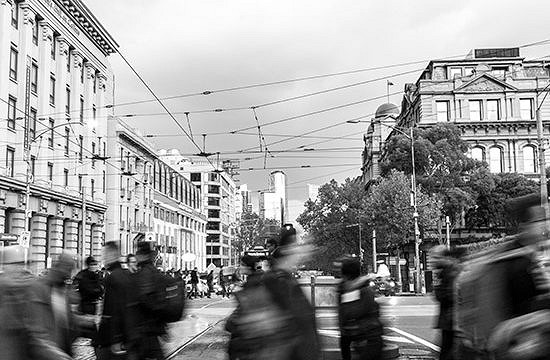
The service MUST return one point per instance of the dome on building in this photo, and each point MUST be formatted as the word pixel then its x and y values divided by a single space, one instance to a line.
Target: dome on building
pixel 386 110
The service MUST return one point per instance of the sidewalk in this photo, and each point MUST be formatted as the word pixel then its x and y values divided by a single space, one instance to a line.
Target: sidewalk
pixel 179 333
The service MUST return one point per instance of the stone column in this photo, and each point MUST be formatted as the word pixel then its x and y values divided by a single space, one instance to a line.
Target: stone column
pixel 2 219
pixel 56 236
pixel 17 221
pixel 97 240
pixel 70 235
pixel 38 239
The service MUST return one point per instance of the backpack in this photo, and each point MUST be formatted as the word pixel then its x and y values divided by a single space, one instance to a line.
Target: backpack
pixel 170 294
pixel 260 329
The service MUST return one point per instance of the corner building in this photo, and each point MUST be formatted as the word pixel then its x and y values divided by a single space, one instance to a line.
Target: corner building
pixel 55 83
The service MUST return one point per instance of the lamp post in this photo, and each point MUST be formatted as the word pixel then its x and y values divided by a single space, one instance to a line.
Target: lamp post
pixel 417 240
pixel 360 245
pixel 541 153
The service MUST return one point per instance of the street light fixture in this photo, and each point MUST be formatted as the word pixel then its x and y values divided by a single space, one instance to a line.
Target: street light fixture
pixel 417 240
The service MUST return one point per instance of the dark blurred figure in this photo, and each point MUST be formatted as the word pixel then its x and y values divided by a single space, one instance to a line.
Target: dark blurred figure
pixel 88 283
pixel 150 326
pixel 50 297
pixel 22 336
pixel 223 283
pixel 194 284
pixel 132 263
pixel 358 312
pixel 210 283
pixel 117 330
pixel 290 297
pixel 446 268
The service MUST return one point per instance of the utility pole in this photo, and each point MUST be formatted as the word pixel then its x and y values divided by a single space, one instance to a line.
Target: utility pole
pixel 415 218
pixel 83 232
pixel 374 250
pixel 448 232
pixel 542 160
pixel 27 144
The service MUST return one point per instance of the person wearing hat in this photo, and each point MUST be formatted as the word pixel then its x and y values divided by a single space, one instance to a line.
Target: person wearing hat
pixel 22 335
pixel 89 286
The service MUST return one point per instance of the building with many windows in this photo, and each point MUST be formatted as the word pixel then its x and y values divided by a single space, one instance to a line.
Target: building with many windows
pixel 147 197
pixel 55 83
pixel 273 204
pixel 492 96
pixel 219 198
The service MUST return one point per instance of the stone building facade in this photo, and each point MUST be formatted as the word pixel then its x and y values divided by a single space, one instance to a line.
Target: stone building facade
pixel 55 83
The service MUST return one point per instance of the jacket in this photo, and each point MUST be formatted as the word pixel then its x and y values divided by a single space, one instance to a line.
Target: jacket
pixel 119 319
pixel 444 293
pixel 61 332
pixel 90 289
pixel 22 336
pixel 148 299
pixel 358 311
pixel 289 296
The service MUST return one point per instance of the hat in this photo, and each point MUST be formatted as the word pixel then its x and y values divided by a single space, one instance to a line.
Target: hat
pixel 90 260
pixel 145 248
pixel 13 254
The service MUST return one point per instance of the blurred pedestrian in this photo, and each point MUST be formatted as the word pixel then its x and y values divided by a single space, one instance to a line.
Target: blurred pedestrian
pixel 446 267
pixel 223 283
pixel 132 263
pixel 210 283
pixel 50 298
pixel 88 284
pixel 117 334
pixel 22 336
pixel 359 316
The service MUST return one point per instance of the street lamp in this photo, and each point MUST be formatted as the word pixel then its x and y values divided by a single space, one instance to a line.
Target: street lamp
pixel 360 245
pixel 409 136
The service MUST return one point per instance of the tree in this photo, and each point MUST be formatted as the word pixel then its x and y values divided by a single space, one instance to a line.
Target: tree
pixel 252 231
pixel 329 222
pixel 441 165
pixel 389 211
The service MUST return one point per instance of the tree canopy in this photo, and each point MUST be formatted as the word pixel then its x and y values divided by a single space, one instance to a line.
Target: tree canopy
pixel 252 231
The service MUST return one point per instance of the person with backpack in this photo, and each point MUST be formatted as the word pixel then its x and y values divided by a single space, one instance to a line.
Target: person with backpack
pixel 160 299
pixel 358 314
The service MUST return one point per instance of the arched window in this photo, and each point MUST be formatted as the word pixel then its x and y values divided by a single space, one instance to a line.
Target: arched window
pixel 496 160
pixel 529 159
pixel 478 153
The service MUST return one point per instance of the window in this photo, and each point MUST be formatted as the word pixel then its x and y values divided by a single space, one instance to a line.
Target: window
pixel 69 59
pixel 13 63
pixel 93 154
pixel 213 213
pixel 511 107
pixel 52 89
pixel 80 183
pixel 529 159
pixel 50 171
pixel 478 154
pixel 213 238
pixel 213 177
pixel 80 147
pixel 495 160
pixel 33 166
pixel 212 201
pixel 65 177
pixel 34 77
pixel 103 182
pixel 94 113
pixel 67 136
pixel 442 109
pixel 68 103
pixel 81 110
pixel 53 48
pixel 10 159
pixel 32 125
pixel 493 110
pixel 213 189
pixel 499 72
pixel 14 15
pixel 92 188
pixel 82 72
pixel 455 73
pixel 526 109
pixel 195 176
pixel 12 106
pixel 475 110
pixel 95 83
pixel 35 32
pixel 51 137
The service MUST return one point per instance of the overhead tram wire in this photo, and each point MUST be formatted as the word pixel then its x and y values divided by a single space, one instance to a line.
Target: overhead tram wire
pixel 305 78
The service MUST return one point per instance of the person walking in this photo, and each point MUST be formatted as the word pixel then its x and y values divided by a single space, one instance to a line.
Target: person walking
pixel 88 284
pixel 210 283
pixel 223 283
pixel 50 299
pixel 22 336
pixel 358 314
pixel 194 284
pixel 117 336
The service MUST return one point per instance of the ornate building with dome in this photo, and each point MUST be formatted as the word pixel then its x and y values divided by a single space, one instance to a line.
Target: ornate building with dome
pixel 492 96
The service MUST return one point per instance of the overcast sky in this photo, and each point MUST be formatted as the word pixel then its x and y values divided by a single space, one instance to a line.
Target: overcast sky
pixel 189 46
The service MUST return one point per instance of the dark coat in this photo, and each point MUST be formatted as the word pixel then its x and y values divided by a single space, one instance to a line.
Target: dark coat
pixel 147 291
pixel 118 323
pixel 444 293
pixel 194 277
pixel 21 335
pixel 90 290
pixel 289 296
pixel 62 335
pixel 358 311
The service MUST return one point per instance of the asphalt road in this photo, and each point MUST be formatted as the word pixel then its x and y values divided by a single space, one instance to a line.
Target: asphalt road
pixel 408 320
